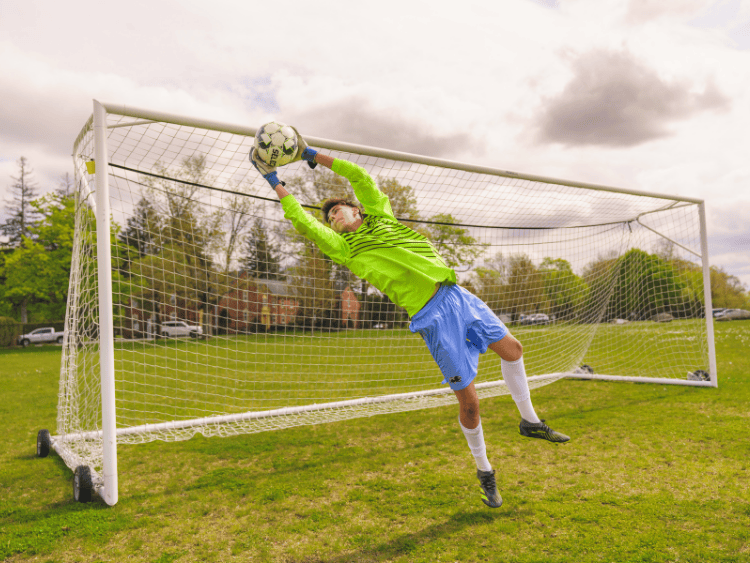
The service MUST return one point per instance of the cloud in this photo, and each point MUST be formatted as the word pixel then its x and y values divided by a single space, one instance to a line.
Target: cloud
pixel 641 11
pixel 615 100
pixel 729 236
pixel 356 120
pixel 551 4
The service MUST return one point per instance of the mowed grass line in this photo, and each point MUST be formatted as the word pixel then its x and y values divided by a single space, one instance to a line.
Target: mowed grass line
pixel 653 473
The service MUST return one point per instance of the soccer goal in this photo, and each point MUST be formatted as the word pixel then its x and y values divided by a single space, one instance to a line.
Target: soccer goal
pixel 194 307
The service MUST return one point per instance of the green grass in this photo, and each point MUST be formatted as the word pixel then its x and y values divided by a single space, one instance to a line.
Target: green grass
pixel 653 474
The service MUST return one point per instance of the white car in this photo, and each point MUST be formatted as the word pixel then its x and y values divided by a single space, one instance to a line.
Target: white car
pixel 733 315
pixel 535 319
pixel 40 336
pixel 171 329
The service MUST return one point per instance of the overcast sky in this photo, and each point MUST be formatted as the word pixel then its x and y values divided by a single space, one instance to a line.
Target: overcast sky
pixel 645 94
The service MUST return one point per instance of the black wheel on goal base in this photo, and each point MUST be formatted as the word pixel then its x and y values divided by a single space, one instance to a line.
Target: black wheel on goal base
pixel 82 485
pixel 43 443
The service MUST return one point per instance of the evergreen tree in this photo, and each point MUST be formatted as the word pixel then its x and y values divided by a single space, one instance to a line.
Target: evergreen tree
pixel 65 185
pixel 21 214
pixel 261 258
pixel 143 230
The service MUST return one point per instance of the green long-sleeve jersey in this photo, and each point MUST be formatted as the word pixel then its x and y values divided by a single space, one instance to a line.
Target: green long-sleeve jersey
pixel 397 260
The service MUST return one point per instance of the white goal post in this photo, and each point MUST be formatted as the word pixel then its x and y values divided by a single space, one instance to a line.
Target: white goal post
pixel 194 307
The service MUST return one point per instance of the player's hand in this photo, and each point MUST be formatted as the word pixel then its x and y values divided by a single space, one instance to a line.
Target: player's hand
pixel 304 152
pixel 268 172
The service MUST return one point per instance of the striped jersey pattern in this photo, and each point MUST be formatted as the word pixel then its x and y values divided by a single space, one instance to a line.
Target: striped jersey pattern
pixel 380 233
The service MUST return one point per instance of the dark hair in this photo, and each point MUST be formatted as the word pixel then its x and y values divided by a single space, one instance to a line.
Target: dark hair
pixel 333 202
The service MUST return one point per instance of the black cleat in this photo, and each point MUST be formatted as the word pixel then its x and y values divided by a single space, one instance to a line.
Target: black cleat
pixel 542 431
pixel 490 496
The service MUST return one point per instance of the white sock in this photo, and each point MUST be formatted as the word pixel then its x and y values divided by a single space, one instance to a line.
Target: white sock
pixel 475 438
pixel 514 375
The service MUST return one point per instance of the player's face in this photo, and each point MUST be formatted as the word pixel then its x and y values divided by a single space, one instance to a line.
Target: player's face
pixel 344 219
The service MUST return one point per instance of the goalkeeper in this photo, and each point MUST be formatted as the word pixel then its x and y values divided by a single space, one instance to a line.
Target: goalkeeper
pixel 456 326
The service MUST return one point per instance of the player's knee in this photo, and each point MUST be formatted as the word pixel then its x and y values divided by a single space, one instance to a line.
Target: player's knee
pixel 470 414
pixel 509 349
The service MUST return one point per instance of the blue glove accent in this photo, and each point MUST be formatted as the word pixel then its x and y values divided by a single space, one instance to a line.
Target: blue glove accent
pixel 309 155
pixel 273 179
pixel 266 171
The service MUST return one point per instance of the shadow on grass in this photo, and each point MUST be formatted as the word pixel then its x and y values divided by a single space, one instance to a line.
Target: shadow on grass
pixel 408 543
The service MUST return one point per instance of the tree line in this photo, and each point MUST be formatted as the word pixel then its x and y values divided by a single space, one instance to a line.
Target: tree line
pixel 176 244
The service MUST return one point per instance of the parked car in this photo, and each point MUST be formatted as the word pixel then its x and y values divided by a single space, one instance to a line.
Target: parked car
pixel 40 336
pixel 662 318
pixel 733 315
pixel 638 316
pixel 172 329
pixel 535 319
pixel 719 312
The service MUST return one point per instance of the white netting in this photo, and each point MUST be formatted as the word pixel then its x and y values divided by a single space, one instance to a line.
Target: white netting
pixel 199 239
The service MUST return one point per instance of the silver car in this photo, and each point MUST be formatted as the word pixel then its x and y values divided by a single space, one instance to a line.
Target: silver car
pixel 172 329
pixel 40 336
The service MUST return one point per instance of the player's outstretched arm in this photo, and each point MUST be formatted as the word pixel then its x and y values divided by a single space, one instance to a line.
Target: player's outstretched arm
pixel 374 201
pixel 312 156
pixel 324 159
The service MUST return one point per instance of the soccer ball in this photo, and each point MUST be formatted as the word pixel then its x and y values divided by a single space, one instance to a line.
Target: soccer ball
pixel 276 143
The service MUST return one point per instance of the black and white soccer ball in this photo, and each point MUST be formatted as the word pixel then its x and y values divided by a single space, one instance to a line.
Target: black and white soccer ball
pixel 276 143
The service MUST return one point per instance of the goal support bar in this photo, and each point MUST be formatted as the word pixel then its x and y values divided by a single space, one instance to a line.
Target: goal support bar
pixel 651 380
pixel 340 405
pixel 106 322
pixel 707 297
pixel 286 411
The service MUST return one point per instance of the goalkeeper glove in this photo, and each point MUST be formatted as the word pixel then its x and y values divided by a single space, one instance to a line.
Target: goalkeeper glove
pixel 304 152
pixel 268 172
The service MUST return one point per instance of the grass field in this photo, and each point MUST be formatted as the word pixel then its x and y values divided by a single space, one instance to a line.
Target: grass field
pixel 653 474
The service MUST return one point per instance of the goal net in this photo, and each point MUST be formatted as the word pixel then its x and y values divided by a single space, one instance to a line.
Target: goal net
pixel 224 320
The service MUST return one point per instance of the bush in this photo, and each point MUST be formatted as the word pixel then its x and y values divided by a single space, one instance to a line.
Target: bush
pixel 9 331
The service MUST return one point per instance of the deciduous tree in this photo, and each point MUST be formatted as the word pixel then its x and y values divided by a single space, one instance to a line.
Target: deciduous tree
pixel 37 272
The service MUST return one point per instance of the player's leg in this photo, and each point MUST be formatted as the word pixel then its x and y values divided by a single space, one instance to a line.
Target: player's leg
pixel 471 425
pixel 441 324
pixel 510 351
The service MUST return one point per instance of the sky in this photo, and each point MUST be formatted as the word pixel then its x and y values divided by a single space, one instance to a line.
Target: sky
pixel 649 95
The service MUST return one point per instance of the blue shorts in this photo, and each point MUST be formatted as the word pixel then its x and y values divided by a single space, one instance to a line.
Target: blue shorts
pixel 457 326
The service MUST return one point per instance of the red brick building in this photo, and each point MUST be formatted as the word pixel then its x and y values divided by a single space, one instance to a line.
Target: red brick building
pixel 254 305
pixel 251 305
